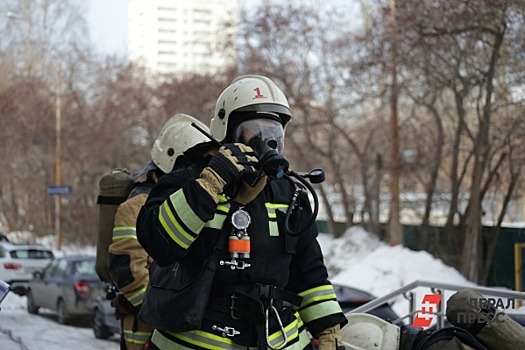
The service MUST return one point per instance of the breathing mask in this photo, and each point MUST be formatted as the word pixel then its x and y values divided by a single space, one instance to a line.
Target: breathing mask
pixel 262 135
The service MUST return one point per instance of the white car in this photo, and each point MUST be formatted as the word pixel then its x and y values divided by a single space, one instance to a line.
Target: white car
pixel 19 261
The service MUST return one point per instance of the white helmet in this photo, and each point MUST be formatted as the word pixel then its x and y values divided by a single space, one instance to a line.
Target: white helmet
pixel 175 137
pixel 368 332
pixel 252 94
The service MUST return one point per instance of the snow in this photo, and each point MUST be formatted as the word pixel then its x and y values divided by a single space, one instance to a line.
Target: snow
pixel 358 259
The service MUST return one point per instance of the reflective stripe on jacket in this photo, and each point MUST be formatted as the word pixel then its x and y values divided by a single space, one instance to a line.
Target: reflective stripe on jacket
pixel 128 261
pixel 180 220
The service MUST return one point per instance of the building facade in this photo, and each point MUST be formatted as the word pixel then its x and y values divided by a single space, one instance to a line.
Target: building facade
pixel 183 36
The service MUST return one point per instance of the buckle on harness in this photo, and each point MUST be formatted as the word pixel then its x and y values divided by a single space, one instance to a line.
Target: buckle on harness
pixel 232 308
pixel 235 264
pixel 226 331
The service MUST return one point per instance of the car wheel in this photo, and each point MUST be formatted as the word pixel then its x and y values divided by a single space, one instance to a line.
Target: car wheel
pixel 32 308
pixel 62 316
pixel 99 327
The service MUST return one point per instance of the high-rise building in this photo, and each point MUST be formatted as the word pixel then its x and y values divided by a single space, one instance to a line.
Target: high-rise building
pixel 185 36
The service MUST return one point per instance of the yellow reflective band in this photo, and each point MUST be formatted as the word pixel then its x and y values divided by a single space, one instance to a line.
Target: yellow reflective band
pixel 291 330
pixel 172 227
pixel 136 337
pixel 162 342
pixel 185 212
pixel 211 341
pixel 122 232
pixel 303 343
pixel 272 215
pixel 275 205
pixel 321 310
pixel 325 292
pixel 206 340
pixel 223 208
pixel 136 298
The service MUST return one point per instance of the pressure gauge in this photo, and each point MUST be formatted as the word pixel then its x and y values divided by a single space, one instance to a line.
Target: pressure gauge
pixel 241 219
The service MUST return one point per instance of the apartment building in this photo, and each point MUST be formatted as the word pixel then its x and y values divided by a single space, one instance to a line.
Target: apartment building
pixel 182 36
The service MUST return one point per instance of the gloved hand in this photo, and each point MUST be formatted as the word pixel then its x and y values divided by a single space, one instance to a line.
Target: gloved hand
pixel 231 162
pixel 331 339
pixel 123 307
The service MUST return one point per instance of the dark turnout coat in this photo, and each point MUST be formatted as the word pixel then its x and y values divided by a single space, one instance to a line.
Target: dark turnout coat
pixel 180 222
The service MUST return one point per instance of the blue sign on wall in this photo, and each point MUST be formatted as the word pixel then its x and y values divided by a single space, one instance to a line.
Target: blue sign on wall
pixel 59 189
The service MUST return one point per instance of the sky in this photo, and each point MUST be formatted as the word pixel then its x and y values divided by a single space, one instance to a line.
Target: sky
pixel 107 20
pixel 108 26
pixel 357 259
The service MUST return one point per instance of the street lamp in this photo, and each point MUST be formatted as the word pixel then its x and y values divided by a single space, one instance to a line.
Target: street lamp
pixel 58 155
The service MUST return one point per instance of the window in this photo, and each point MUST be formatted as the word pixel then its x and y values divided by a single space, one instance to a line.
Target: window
pixel 62 269
pixel 84 267
pixel 31 254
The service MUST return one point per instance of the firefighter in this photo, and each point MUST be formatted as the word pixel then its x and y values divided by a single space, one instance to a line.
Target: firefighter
pixel 271 287
pixel 476 326
pixel 128 262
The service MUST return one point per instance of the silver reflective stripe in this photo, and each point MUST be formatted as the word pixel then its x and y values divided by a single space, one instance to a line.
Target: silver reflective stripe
pixel 324 292
pixel 304 342
pixel 292 332
pixel 198 338
pixel 317 311
pixel 136 337
pixel 173 228
pixel 121 232
pixel 136 298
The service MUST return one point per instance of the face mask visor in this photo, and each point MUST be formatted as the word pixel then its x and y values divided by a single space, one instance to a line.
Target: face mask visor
pixel 261 134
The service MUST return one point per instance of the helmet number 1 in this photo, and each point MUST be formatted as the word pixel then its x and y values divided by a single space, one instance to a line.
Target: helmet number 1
pixel 258 93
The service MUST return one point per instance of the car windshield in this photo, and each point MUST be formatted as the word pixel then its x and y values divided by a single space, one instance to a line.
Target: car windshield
pixel 31 254
pixel 84 267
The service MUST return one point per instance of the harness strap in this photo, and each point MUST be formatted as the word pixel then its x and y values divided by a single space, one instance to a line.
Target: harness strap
pixel 272 292
pixel 111 200
pixel 250 308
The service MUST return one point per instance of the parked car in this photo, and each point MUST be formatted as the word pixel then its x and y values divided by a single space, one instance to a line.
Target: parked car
pixel 68 285
pixel 19 261
pixel 105 324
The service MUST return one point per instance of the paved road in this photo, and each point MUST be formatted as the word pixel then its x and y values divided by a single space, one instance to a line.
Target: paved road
pixel 21 330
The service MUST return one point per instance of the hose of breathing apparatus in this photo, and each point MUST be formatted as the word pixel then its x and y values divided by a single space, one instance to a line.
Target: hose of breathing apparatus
pixel 276 165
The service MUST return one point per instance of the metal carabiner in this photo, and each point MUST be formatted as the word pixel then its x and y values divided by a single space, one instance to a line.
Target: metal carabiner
pixel 283 331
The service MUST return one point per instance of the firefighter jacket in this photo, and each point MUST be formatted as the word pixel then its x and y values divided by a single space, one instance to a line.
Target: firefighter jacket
pixel 128 261
pixel 181 221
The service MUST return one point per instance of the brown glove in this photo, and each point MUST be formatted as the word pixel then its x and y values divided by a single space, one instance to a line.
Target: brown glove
pixel 231 162
pixel 330 339
pixel 247 193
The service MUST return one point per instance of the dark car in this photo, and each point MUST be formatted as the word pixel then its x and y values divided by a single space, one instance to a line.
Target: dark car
pixel 105 324
pixel 350 298
pixel 68 285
